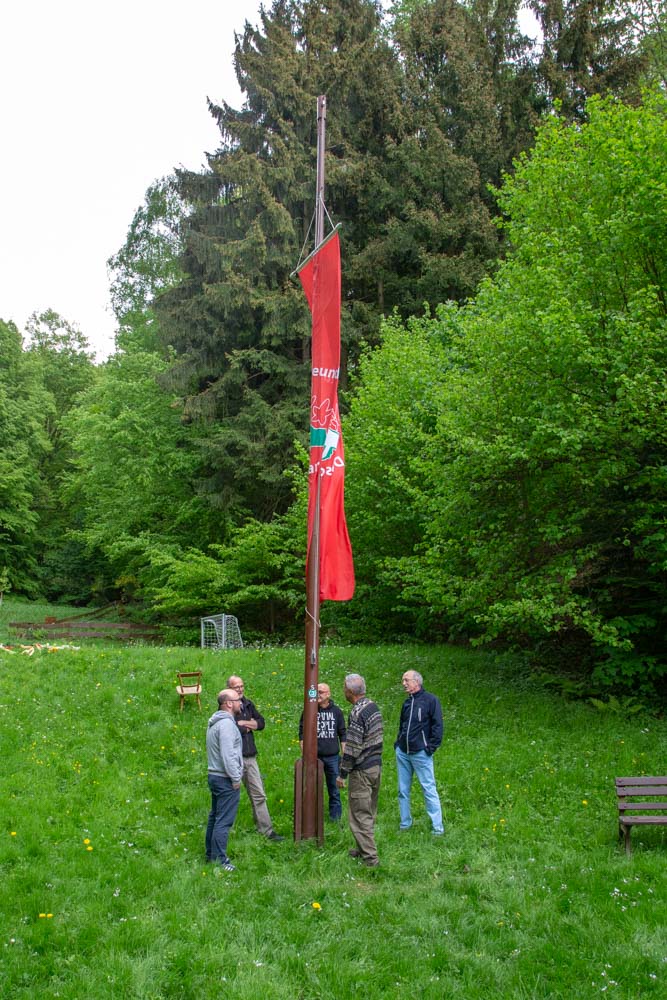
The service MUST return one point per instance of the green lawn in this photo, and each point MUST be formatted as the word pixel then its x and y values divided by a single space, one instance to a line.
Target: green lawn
pixel 105 893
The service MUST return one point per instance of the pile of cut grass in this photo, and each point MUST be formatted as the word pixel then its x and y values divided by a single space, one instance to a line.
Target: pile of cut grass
pixel 528 895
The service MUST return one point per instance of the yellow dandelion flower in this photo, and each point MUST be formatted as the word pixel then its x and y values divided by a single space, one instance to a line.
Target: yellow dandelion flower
pixel 48 916
pixel 90 847
pixel 42 916
pixel 86 840
pixel 584 802
pixel 316 906
pixel 13 833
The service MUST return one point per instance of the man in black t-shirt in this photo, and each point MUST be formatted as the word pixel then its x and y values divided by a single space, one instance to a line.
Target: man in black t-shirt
pixel 330 743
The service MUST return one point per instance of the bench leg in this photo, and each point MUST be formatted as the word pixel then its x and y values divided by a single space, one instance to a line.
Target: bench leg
pixel 625 831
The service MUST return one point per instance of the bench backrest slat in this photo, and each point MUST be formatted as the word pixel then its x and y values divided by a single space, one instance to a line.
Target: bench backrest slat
pixel 641 790
pixel 645 780
pixel 641 806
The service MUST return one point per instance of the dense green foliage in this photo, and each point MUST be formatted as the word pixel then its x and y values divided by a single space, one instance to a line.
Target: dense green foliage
pixel 63 364
pixel 540 482
pixel 528 895
pixel 24 442
pixel 38 387
pixel 146 264
pixel 134 475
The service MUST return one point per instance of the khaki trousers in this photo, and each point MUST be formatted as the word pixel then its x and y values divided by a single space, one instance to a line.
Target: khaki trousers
pixel 362 796
pixel 254 786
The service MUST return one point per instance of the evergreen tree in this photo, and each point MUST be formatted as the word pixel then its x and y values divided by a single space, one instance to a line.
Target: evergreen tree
pixel 588 48
pixel 469 108
pixel 239 325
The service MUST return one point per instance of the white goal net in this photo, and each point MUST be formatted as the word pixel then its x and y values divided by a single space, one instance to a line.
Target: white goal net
pixel 220 632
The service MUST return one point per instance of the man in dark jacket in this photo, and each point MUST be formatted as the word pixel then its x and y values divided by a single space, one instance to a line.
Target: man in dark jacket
pixel 419 736
pixel 330 738
pixel 250 721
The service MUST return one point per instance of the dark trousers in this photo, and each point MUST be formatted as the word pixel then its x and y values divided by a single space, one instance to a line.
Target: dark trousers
pixel 331 770
pixel 224 806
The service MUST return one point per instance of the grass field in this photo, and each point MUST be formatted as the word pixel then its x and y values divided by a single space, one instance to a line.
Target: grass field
pixel 105 893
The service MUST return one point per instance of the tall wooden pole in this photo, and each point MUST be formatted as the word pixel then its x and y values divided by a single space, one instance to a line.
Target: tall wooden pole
pixel 308 784
pixel 321 137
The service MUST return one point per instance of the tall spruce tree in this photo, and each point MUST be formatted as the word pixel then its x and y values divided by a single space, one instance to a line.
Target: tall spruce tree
pixel 469 108
pixel 239 325
pixel 588 48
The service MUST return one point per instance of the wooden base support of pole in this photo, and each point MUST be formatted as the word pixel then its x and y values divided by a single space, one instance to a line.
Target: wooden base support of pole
pixel 300 817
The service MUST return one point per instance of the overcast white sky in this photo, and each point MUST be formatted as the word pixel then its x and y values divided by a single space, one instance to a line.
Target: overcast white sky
pixel 96 102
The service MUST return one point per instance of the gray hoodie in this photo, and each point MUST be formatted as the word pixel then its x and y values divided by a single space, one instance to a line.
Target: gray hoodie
pixel 224 746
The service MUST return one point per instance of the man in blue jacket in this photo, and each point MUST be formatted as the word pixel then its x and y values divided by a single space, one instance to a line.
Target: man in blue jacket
pixel 419 736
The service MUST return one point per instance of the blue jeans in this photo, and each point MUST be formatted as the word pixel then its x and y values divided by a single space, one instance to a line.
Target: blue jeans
pixel 331 770
pixel 224 805
pixel 421 764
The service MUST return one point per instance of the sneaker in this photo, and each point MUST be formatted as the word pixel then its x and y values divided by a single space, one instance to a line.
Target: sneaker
pixel 438 833
pixel 372 862
pixel 274 836
pixel 354 853
pixel 227 866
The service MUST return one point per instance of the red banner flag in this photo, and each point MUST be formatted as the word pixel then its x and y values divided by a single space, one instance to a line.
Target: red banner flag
pixel 320 278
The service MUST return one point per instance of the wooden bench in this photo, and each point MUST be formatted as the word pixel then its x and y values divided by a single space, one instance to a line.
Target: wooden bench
pixel 642 813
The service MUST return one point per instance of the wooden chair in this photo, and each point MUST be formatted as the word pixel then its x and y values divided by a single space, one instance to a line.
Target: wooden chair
pixel 189 683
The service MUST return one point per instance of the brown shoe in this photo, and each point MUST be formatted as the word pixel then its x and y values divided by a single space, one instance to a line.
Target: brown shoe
pixel 354 853
pixel 372 862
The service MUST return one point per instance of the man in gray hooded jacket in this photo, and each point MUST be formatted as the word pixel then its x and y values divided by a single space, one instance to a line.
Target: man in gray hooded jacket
pixel 225 767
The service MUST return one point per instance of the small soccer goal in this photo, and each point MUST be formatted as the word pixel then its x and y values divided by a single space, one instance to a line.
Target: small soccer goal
pixel 220 632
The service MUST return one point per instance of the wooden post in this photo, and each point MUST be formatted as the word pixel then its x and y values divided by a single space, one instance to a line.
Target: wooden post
pixel 308 775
